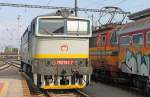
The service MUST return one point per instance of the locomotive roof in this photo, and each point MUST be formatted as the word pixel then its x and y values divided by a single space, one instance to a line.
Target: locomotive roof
pixel 135 26
pixel 53 15
pixel 107 27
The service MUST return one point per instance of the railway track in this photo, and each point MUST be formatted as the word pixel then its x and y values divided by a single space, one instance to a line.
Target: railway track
pixel 67 93
pixel 7 63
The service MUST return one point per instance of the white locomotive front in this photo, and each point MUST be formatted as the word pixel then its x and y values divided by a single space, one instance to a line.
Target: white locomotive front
pixel 55 51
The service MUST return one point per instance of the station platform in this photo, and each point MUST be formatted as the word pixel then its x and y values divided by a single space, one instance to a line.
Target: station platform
pixel 11 83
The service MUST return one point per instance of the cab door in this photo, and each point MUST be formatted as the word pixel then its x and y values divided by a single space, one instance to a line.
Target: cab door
pixel 138 60
pixel 148 51
pixel 103 49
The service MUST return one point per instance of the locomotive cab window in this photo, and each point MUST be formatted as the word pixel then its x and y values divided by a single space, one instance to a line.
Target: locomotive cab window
pixel 51 26
pixel 77 27
pixel 113 39
pixel 138 39
pixel 103 40
pixel 125 40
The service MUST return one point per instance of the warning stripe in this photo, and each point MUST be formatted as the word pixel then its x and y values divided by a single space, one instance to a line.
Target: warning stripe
pixel 61 56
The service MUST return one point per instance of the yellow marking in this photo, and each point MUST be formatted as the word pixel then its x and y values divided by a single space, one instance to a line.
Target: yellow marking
pixel 61 56
pixel 64 87
pixel 4 90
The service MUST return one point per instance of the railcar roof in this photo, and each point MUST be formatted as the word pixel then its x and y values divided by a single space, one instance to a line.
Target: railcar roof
pixel 139 15
pixel 135 26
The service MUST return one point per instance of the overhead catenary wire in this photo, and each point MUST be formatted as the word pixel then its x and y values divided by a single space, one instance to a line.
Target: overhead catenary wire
pixel 55 7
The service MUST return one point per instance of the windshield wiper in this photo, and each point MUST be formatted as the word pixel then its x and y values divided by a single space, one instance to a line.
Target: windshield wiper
pixel 45 30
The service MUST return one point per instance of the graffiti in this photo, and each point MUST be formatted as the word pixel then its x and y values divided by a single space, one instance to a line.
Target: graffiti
pixel 136 63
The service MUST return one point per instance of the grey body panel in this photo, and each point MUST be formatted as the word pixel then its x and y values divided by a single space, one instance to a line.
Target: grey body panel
pixel 53 46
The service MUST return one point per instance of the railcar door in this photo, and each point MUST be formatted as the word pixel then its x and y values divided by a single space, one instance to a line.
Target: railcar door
pixel 103 50
pixel 139 52
pixel 124 53
pixel 148 50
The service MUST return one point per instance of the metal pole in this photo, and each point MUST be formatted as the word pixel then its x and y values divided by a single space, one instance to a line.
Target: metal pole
pixel 76 8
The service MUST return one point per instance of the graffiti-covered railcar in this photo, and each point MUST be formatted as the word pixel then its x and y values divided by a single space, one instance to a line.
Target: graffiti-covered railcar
pixel 134 51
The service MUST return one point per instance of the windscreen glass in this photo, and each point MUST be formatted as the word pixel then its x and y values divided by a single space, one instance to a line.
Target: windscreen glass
pixel 51 26
pixel 77 27
pixel 138 39
pixel 125 40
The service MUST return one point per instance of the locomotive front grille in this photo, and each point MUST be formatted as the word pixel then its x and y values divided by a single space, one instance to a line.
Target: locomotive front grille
pixel 62 73
pixel 56 66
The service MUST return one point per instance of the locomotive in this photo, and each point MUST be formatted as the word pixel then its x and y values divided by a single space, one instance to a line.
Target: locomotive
pixel 122 52
pixel 55 51
pixel 104 52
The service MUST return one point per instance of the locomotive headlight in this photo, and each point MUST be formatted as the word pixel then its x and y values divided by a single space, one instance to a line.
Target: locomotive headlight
pixel 64 13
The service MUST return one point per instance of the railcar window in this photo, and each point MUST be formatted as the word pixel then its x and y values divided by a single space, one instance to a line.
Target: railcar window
pixel 103 40
pixel 149 36
pixel 77 27
pixel 113 39
pixel 125 40
pixel 48 27
pixel 138 39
